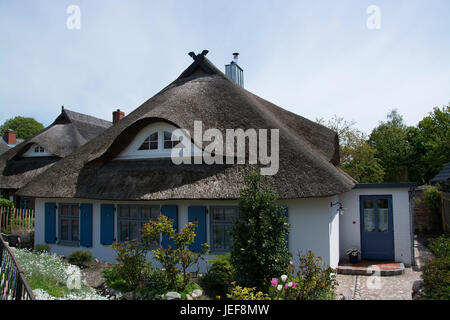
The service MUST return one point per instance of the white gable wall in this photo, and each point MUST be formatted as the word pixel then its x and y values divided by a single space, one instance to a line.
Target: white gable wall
pixel 350 233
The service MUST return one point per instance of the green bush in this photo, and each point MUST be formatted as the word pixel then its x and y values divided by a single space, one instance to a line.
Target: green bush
pixel 131 263
pixel 42 248
pixel 259 252
pixel 80 258
pixel 314 280
pixel 6 203
pixel 220 275
pixel 243 293
pixel 436 278
pixel 440 246
pixel 432 198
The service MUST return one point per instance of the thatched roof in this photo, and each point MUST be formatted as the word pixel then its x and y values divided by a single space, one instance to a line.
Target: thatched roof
pixel 68 132
pixel 3 146
pixel 309 152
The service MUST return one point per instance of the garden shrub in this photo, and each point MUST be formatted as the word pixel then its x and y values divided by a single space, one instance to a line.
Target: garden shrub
pixel 436 278
pixel 170 257
pixel 314 281
pixel 220 275
pixel 243 293
pixel 6 203
pixel 440 246
pixel 80 258
pixel 258 251
pixel 432 198
pixel 42 248
pixel 130 267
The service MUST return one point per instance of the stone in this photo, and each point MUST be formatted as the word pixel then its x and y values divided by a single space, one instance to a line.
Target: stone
pixel 417 291
pixel 197 293
pixel 172 295
pixel 188 297
pixel 128 296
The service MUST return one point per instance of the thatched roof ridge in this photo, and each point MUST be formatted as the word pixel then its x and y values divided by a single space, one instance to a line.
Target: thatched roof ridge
pixel 308 151
pixel 67 133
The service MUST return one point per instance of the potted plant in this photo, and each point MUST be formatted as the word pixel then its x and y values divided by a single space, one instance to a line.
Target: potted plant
pixel 353 254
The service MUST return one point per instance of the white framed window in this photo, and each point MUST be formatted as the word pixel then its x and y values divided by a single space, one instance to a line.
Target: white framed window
pixel 36 151
pixel 155 141
pixel 131 219
pixel 221 223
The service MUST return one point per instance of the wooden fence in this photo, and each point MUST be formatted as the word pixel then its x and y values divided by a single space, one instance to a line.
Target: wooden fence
pixel 12 220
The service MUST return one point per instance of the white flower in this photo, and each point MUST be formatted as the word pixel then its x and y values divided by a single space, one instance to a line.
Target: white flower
pixel 284 278
pixel 289 284
pixel 279 287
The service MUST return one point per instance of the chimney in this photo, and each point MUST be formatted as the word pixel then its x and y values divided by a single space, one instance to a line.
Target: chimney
pixel 10 137
pixel 234 71
pixel 118 115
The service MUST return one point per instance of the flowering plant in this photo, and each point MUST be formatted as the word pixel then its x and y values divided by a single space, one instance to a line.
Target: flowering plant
pixel 282 288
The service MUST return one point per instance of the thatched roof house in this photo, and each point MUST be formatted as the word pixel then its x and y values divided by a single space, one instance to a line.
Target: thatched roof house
pixel 110 186
pixel 309 152
pixel 28 159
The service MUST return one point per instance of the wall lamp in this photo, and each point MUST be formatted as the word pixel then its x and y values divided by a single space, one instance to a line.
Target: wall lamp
pixel 340 209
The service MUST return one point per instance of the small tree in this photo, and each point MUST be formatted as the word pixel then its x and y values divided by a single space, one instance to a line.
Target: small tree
pixel 259 252
pixel 170 257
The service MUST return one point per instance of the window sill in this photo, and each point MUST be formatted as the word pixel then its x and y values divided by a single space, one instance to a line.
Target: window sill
pixel 69 243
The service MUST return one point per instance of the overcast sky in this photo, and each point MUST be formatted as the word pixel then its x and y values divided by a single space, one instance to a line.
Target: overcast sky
pixel 314 58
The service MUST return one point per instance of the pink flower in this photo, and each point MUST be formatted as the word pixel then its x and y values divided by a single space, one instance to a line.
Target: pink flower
pixel 18 240
pixel 293 284
pixel 274 282
pixel 286 286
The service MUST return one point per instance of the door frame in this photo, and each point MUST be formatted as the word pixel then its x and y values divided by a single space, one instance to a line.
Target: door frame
pixel 389 197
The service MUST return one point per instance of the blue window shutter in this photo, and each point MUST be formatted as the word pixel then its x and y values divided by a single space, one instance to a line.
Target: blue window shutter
pixel 198 213
pixel 170 211
pixel 106 224
pixel 50 222
pixel 286 214
pixel 86 225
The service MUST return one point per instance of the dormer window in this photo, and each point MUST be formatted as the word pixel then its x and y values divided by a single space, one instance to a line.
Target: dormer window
pixel 170 142
pixel 39 149
pixel 151 143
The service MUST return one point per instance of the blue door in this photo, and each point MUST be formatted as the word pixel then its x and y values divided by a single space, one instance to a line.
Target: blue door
pixel 377 229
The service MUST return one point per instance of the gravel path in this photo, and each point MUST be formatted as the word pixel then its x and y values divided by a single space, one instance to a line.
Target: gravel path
pixel 384 288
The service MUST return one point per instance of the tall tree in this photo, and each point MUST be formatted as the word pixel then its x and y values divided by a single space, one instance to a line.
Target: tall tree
pixel 431 145
pixel 258 251
pixel 390 139
pixel 24 127
pixel 358 158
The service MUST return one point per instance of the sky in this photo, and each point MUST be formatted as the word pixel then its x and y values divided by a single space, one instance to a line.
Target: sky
pixel 316 58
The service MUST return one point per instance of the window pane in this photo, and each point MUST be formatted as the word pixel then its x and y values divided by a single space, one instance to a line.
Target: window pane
pixel 167 144
pixel 383 214
pixel 65 210
pixel 150 213
pixel 218 235
pixel 145 145
pixel 134 212
pixel 75 230
pixel 75 211
pixel 64 229
pixel 134 230
pixel 228 239
pixel 218 214
pixel 153 145
pixel 124 212
pixel 154 136
pixel 230 214
pixel 167 136
pixel 369 215
pixel 123 230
